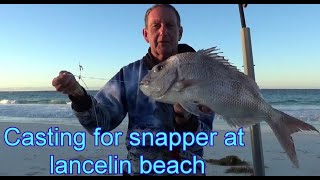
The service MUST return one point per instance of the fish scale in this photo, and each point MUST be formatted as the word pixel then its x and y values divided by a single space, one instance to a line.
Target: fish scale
pixel 210 80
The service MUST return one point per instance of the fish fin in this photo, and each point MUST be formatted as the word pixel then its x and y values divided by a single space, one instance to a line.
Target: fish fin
pixel 212 53
pixel 242 122
pixel 182 84
pixel 208 51
pixel 296 125
pixel 193 108
pixel 283 125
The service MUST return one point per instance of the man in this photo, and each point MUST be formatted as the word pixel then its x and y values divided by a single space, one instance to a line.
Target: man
pixel 121 96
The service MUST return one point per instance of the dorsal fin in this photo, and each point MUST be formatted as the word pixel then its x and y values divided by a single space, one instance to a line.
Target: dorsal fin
pixel 212 53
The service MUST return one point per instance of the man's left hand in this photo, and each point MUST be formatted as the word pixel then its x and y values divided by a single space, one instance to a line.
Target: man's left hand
pixel 183 118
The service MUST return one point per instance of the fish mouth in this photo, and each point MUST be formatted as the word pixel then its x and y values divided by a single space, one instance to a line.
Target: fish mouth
pixel 148 86
pixel 150 91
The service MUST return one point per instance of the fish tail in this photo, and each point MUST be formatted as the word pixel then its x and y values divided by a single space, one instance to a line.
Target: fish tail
pixel 283 125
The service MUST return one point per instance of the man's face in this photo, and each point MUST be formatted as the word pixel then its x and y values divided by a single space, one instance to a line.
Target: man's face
pixel 162 32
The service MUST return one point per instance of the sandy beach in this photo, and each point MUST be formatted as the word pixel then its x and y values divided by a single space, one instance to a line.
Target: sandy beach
pixel 35 161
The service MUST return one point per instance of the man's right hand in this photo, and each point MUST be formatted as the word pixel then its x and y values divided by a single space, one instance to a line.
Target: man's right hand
pixel 67 84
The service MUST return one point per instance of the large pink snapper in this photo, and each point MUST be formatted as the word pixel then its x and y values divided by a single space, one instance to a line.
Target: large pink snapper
pixel 206 78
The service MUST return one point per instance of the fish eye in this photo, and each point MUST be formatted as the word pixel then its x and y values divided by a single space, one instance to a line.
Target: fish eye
pixel 159 68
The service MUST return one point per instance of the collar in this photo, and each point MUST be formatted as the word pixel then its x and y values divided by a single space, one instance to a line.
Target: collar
pixel 149 60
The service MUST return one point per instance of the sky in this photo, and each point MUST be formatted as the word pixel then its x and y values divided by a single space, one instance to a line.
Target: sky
pixel 38 41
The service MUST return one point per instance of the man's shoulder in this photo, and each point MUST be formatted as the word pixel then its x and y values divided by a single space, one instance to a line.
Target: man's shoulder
pixel 134 64
pixel 185 48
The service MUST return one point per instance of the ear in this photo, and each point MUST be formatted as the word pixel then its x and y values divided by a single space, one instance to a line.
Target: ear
pixel 145 34
pixel 180 33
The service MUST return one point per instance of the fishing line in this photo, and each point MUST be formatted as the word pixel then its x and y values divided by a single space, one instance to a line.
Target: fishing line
pixel 87 89
pixel 91 97
pixel 81 77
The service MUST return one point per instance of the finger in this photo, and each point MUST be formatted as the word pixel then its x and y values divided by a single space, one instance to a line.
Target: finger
pixel 179 109
pixel 64 72
pixel 65 75
pixel 61 82
pixel 71 87
pixel 55 82
pixel 180 120
pixel 59 88
pixel 205 109
pixel 58 80
pixel 67 79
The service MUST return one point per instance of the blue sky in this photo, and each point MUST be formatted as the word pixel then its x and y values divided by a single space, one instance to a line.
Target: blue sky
pixel 37 41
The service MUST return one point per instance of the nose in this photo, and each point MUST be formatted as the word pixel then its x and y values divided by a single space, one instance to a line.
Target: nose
pixel 163 30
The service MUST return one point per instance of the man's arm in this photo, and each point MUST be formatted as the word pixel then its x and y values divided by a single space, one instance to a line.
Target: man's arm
pixel 106 110
pixel 186 122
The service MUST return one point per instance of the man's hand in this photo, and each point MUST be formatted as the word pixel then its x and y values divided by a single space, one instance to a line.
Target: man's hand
pixel 183 117
pixel 67 84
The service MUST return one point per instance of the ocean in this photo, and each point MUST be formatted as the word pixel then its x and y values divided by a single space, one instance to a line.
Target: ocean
pixel 51 107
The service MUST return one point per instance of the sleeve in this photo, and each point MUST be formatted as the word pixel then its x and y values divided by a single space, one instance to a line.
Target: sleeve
pixel 204 125
pixel 106 109
pixel 205 122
